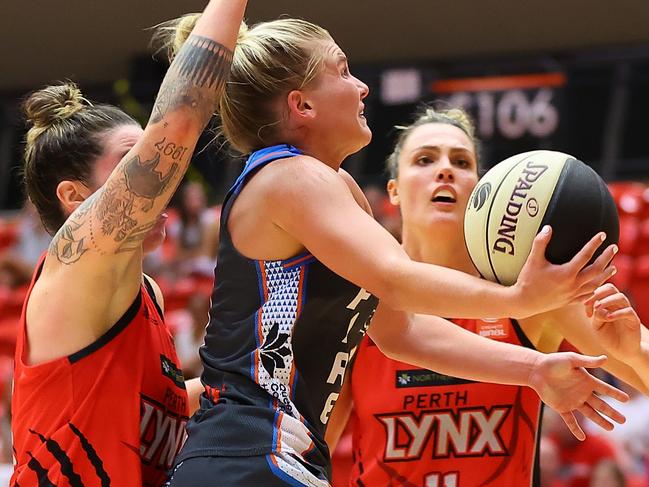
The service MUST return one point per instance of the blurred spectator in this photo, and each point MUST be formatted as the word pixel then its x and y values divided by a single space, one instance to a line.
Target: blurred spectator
pixel 195 232
pixel 633 435
pixel 607 473
pixel 17 263
pixel 188 326
pixel 577 459
pixel 549 463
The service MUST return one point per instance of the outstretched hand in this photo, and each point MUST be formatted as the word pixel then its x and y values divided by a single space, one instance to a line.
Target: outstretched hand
pixel 542 286
pixel 615 322
pixel 562 382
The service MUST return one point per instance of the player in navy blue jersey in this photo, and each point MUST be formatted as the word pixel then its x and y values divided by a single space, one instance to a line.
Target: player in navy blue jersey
pixel 302 265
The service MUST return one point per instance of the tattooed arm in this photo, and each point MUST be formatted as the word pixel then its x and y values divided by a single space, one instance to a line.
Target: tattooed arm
pixel 94 269
pixel 118 216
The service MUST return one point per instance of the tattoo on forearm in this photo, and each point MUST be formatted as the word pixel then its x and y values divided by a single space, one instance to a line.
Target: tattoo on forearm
pixel 67 246
pixel 133 241
pixel 176 152
pixel 195 79
pixel 194 82
pixel 115 210
pixel 144 181
pixel 206 63
pixel 71 241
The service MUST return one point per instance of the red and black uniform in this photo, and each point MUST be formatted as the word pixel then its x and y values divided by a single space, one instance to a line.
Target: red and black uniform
pixel 111 414
pixel 413 427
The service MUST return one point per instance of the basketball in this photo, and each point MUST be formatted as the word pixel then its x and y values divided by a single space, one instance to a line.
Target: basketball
pixel 517 197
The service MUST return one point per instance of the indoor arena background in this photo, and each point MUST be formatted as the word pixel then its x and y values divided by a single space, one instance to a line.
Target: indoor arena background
pixel 568 75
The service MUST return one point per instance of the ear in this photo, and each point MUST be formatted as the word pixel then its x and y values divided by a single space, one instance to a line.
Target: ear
pixel 299 106
pixel 71 194
pixel 393 192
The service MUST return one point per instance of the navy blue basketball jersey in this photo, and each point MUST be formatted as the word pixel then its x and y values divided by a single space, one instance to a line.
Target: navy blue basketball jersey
pixel 280 336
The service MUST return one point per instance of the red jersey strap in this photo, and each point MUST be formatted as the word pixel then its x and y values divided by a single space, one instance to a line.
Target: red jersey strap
pixel 22 334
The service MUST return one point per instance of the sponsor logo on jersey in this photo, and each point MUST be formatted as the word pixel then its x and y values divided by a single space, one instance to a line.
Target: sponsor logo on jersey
pixel 423 378
pixel 498 330
pixel 170 370
pixel 466 432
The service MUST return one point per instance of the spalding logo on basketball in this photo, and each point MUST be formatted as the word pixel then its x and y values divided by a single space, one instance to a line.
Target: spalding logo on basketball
pixel 517 197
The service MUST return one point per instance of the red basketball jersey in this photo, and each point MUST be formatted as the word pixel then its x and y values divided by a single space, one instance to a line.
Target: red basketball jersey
pixel 113 413
pixel 413 427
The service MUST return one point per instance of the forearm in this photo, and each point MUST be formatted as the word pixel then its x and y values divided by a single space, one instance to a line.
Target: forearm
pixel 198 73
pixel 194 390
pixel 436 344
pixel 572 324
pixel 187 99
pixel 436 290
pixel 640 363
pixel 118 216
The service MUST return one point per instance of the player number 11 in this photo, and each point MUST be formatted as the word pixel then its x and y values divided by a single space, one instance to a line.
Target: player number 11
pixel 439 479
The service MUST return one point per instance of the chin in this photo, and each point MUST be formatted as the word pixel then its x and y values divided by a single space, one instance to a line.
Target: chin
pixel 363 140
pixel 448 220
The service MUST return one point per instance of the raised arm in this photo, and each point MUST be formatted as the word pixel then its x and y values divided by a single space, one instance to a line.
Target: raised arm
pixel 113 222
pixel 355 246
pixel 559 379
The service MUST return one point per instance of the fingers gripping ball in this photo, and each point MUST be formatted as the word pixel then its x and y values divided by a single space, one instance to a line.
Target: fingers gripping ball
pixel 517 197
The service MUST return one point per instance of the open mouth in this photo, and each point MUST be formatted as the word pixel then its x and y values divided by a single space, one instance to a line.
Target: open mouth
pixel 444 196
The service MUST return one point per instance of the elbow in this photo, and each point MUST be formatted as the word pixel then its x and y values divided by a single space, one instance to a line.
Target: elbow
pixel 388 343
pixel 391 287
pixel 389 348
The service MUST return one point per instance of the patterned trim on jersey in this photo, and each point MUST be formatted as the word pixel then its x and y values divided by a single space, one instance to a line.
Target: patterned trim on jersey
pixel 292 471
pixel 281 289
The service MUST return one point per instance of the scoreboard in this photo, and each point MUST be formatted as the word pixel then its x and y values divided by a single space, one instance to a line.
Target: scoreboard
pixel 592 105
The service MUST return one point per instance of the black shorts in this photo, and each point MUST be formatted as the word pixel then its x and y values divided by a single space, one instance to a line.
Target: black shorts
pixel 274 470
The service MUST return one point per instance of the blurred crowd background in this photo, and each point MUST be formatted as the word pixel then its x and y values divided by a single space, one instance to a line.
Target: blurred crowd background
pixel 570 76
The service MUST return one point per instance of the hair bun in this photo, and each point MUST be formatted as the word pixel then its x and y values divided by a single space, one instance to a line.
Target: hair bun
pixel 46 107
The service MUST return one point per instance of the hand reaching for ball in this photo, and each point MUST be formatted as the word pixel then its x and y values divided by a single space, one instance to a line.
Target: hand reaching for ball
pixel 542 286
pixel 615 322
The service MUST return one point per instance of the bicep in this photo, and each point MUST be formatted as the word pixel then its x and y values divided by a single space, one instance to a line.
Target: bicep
pixel 319 211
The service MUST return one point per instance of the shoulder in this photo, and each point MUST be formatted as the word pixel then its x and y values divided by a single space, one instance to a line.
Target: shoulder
pixel 157 292
pixel 356 190
pixel 299 177
pixel 301 167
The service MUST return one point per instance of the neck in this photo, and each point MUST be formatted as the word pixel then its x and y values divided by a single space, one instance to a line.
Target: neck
pixel 318 148
pixel 435 246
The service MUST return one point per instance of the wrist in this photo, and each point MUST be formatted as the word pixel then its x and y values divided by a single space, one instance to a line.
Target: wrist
pixel 534 375
pixel 517 302
pixel 639 359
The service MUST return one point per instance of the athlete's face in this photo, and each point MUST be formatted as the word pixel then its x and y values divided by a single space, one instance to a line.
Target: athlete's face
pixel 337 98
pixel 117 143
pixel 436 174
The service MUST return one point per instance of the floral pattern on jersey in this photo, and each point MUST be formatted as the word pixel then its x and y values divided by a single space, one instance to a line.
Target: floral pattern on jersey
pixel 275 350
